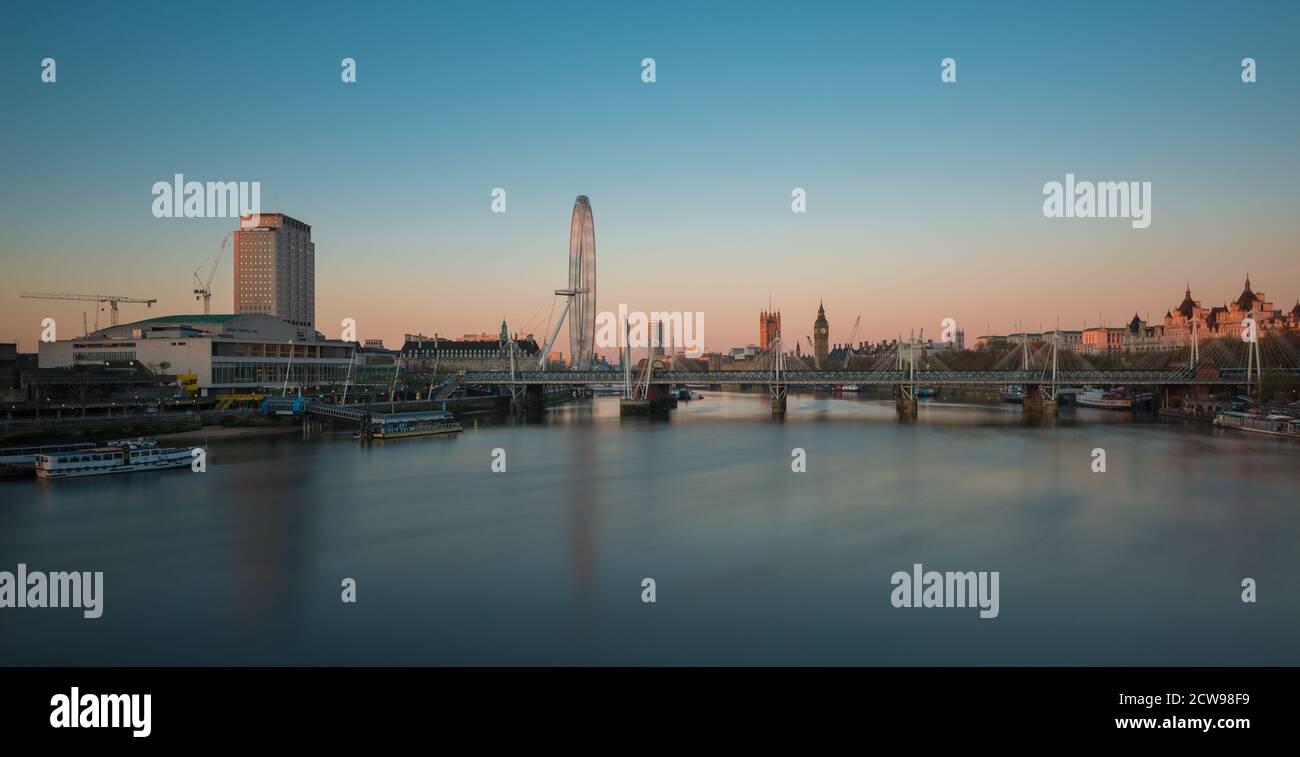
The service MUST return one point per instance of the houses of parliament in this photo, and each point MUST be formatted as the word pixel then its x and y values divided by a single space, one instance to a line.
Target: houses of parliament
pixel 769 329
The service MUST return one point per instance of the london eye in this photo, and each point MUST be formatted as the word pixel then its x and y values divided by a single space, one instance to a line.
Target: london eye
pixel 582 283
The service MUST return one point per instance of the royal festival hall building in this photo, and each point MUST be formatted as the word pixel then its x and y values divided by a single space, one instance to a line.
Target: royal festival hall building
pixel 221 354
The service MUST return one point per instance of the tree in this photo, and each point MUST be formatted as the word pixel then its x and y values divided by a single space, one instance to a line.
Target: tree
pixel 162 369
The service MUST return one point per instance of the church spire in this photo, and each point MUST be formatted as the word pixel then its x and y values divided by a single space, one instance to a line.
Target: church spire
pixel 1247 299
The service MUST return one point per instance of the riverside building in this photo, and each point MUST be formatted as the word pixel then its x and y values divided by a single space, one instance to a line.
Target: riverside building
pixel 216 354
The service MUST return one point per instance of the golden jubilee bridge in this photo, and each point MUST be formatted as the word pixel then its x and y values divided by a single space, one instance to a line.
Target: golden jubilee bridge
pixel 1042 369
pixel 975 378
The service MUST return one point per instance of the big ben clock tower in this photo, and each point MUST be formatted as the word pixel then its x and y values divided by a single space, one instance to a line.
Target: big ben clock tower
pixel 821 336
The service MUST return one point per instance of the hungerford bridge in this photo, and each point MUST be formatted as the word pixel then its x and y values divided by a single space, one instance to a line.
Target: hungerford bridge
pixel 1042 369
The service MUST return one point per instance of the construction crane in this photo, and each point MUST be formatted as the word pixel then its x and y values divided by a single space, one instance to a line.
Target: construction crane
pixel 203 286
pixel 111 299
pixel 853 335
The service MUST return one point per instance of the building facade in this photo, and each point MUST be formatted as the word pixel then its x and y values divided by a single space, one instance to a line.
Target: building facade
pixel 1065 340
pixel 1100 339
pixel 1225 320
pixel 9 374
pixel 275 269
pixel 1189 320
pixel 769 327
pixel 421 354
pixel 223 353
pixel 1192 320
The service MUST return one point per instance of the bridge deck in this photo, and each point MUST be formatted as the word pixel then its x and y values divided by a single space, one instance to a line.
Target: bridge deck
pixel 870 378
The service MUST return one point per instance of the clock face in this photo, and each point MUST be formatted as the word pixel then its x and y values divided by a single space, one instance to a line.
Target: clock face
pixel 822 332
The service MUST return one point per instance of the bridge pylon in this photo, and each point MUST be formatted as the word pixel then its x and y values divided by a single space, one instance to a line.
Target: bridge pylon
pixel 777 390
pixel 1040 398
pixel 905 394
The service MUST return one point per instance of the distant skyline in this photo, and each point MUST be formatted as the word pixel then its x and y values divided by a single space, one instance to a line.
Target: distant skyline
pixel 924 198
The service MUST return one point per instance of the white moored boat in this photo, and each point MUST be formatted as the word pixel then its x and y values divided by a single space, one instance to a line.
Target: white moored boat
pixel 21 461
pixel 1116 399
pixel 1260 423
pixel 117 457
pixel 1012 393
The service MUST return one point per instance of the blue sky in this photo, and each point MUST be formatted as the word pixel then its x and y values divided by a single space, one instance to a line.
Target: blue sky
pixel 924 198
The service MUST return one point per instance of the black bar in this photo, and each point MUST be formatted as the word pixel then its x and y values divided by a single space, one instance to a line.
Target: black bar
pixel 975 706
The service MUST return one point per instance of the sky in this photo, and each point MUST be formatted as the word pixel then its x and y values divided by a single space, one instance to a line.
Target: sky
pixel 924 198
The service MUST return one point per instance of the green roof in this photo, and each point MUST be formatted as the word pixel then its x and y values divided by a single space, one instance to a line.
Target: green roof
pixel 216 318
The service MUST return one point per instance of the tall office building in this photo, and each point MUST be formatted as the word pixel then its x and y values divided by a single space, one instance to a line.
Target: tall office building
pixel 275 268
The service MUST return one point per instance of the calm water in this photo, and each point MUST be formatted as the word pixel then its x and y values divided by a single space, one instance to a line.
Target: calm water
pixel 753 563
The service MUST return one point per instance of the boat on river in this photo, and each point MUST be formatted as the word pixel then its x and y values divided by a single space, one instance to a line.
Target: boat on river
pixel 1119 398
pixel 21 461
pixel 125 456
pixel 399 425
pixel 1273 424
pixel 1012 393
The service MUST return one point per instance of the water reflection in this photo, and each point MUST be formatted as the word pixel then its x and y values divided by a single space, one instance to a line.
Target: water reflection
pixel 753 562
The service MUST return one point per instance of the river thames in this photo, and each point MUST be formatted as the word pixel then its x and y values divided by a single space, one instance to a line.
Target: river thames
pixel 753 563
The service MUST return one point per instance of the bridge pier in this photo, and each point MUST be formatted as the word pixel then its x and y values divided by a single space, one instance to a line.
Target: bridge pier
pixel 533 402
pixel 779 402
pixel 656 403
pixel 906 405
pixel 1036 403
pixel 904 402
